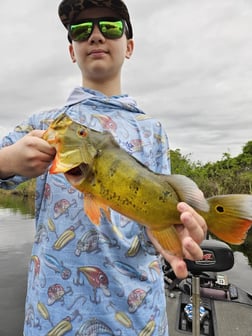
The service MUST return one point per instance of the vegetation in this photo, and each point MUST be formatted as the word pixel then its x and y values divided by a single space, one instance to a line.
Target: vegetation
pixel 227 176
pixel 25 189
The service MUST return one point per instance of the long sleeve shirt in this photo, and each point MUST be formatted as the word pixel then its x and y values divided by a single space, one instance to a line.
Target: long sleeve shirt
pixel 85 279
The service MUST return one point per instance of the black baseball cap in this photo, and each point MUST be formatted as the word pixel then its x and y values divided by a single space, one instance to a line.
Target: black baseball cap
pixel 70 9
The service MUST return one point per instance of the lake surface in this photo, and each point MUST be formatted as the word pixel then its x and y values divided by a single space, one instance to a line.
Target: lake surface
pixel 16 236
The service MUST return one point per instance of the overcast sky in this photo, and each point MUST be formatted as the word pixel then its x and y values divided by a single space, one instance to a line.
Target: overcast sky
pixel 192 68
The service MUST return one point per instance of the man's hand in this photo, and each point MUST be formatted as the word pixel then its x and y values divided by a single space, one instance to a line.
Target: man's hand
pixel 29 156
pixel 192 231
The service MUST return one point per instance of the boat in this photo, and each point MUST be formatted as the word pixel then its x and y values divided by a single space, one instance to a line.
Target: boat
pixel 206 303
pixel 228 309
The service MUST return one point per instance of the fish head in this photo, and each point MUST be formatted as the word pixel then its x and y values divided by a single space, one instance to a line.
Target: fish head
pixel 75 144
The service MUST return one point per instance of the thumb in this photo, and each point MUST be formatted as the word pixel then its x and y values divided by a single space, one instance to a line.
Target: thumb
pixel 37 133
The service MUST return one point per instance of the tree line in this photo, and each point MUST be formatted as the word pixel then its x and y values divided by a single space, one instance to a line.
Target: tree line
pixel 230 175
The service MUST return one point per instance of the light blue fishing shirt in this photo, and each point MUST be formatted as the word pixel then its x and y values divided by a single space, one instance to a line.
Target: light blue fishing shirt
pixel 86 279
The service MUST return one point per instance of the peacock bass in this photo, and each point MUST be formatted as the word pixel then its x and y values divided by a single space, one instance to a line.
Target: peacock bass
pixel 109 177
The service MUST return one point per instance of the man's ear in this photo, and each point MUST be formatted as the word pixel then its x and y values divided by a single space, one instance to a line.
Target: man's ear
pixel 71 52
pixel 130 48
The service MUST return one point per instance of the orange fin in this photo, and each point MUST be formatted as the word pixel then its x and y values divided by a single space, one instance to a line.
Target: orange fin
pixel 92 208
pixel 230 217
pixel 169 240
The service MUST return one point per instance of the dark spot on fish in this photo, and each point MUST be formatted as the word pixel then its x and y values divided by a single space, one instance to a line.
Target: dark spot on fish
pixel 165 195
pixel 134 185
pixel 126 202
pixel 220 208
pixel 104 191
pixel 114 167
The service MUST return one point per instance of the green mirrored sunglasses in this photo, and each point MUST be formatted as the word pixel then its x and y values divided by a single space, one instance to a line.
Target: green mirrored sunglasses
pixel 111 28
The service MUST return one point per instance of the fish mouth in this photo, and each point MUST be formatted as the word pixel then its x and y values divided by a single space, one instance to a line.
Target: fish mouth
pixel 76 171
pixel 76 174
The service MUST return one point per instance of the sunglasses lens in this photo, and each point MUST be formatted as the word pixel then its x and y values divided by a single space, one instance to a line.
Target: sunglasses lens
pixel 81 31
pixel 111 29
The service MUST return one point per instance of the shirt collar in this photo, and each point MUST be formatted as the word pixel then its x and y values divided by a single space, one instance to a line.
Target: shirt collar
pixel 80 93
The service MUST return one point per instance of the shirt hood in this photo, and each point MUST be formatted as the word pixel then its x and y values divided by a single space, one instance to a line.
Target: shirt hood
pixel 80 94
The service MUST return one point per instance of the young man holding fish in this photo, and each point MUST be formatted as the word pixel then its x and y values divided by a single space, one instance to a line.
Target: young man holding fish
pixel 86 279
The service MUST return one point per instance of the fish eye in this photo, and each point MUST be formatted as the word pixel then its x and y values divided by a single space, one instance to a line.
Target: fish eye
pixel 82 132
pixel 220 209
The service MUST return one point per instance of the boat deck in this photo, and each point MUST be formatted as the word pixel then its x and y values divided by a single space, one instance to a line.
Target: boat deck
pixel 233 319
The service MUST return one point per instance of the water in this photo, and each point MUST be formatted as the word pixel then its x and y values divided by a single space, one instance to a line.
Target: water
pixel 16 236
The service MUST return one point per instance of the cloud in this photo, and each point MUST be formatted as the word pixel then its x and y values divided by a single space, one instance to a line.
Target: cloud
pixel 191 68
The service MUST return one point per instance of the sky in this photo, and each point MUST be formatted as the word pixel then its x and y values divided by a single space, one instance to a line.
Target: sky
pixel 191 69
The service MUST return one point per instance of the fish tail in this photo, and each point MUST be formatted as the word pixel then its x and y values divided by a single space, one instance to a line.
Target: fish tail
pixel 169 240
pixel 230 217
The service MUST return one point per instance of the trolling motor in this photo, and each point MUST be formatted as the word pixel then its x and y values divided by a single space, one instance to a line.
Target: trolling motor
pixel 217 257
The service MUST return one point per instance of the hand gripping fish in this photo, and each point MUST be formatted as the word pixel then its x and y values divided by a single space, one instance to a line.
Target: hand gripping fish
pixel 109 177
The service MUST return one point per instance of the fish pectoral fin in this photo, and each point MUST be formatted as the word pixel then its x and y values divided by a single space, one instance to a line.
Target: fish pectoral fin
pixel 169 240
pixel 93 207
pixel 188 191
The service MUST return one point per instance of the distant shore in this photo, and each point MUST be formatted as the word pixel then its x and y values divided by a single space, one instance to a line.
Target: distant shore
pixel 21 199
pixel 26 189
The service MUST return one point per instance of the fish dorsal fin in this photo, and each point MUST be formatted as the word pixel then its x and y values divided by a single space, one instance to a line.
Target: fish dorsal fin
pixel 188 191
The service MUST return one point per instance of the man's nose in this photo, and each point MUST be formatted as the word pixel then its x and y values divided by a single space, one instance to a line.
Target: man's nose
pixel 96 35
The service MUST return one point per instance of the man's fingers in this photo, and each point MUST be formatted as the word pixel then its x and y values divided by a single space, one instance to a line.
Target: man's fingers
pixel 191 250
pixel 193 222
pixel 43 146
pixel 178 265
pixel 37 133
